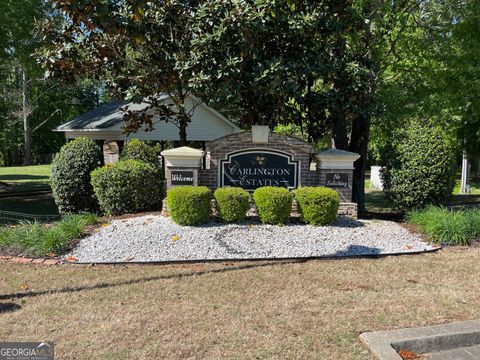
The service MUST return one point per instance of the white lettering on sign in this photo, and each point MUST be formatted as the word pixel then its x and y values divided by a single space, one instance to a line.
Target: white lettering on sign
pixel 337 180
pixel 180 177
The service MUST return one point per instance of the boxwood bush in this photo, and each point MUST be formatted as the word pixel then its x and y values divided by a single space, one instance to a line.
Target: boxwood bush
pixel 70 176
pixel 136 149
pixel 189 205
pixel 421 170
pixel 232 203
pixel 317 205
pixel 128 186
pixel 274 204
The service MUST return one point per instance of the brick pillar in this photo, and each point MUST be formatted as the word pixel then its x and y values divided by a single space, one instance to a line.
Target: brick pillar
pixel 336 172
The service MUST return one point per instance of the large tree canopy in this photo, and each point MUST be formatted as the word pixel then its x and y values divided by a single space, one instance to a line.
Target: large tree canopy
pixel 432 71
pixel 138 49
pixel 327 66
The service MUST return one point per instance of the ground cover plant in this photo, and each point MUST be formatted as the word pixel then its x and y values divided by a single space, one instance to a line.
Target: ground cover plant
pixel 127 186
pixel 70 178
pixel 189 205
pixel 232 203
pixel 456 227
pixel 272 309
pixel 317 205
pixel 36 239
pixel 274 204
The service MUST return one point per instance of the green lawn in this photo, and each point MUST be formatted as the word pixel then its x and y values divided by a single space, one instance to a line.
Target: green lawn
pixel 25 178
pixel 474 186
pixel 248 310
pixel 43 204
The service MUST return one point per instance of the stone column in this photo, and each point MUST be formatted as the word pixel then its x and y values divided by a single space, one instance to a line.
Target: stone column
pixel 336 172
pixel 182 165
pixel 111 152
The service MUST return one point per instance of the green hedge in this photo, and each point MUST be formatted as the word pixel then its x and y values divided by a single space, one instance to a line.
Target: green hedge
pixel 189 205
pixel 70 177
pixel 139 150
pixel 421 169
pixel 128 186
pixel 274 204
pixel 232 203
pixel 317 205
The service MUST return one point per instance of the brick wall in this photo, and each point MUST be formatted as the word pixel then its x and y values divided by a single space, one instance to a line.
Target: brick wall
pixel 301 151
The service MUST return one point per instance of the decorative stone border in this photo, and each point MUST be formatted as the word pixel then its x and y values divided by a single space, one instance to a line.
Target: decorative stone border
pixel 27 260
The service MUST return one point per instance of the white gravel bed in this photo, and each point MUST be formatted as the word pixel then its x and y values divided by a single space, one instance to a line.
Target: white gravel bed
pixel 158 238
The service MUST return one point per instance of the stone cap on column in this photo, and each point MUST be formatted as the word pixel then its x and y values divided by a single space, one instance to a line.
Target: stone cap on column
pixel 183 157
pixel 336 159
pixel 260 133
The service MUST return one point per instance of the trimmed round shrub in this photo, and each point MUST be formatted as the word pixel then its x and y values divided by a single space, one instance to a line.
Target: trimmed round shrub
pixel 70 178
pixel 189 205
pixel 232 203
pixel 422 168
pixel 317 205
pixel 136 149
pixel 274 204
pixel 127 186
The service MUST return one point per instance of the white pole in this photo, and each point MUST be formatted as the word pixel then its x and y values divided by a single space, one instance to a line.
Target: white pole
pixel 464 180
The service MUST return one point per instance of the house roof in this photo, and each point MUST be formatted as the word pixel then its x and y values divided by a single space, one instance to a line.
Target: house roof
pixel 109 115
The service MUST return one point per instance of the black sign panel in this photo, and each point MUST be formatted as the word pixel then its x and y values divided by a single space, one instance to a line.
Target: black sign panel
pixel 251 169
pixel 181 177
pixel 337 180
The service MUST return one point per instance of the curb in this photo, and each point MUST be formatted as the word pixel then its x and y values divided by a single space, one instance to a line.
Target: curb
pixel 56 261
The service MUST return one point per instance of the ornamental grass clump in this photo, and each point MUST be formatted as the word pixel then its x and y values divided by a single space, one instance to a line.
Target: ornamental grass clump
pixel 232 203
pixel 317 205
pixel 189 205
pixel 128 186
pixel 440 225
pixel 35 239
pixel 274 204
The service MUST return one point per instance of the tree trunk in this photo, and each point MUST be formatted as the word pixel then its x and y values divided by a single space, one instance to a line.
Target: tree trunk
pixel 27 160
pixel 183 132
pixel 359 144
pixel 339 130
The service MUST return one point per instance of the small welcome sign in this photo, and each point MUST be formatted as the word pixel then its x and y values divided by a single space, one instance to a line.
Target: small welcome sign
pixel 182 177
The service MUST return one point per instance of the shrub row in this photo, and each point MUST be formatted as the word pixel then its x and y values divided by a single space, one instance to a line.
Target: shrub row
pixel 190 205
pixel 133 184
pixel 440 225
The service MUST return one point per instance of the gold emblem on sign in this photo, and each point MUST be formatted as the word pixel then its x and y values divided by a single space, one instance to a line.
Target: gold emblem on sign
pixel 260 160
